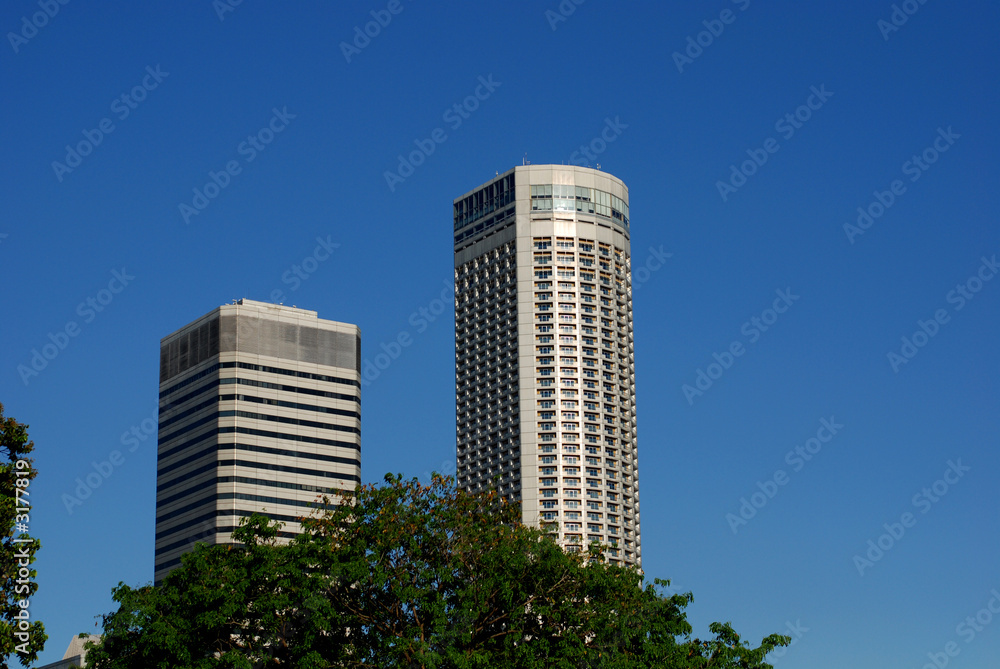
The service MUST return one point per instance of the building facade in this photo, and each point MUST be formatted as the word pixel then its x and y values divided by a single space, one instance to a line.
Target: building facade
pixel 545 371
pixel 75 655
pixel 260 411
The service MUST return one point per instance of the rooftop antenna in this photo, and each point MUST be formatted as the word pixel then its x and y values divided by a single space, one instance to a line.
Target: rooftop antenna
pixel 525 161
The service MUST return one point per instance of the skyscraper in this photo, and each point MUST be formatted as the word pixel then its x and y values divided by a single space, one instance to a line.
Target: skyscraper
pixel 545 371
pixel 260 411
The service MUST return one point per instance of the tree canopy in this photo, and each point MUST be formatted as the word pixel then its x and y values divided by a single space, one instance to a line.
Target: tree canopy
pixel 19 633
pixel 409 575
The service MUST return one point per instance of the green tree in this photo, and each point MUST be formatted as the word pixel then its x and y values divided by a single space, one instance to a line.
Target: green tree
pixel 409 575
pixel 18 632
pixel 244 606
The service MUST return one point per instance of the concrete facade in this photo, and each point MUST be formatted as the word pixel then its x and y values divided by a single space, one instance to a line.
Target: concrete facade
pixel 260 411
pixel 75 655
pixel 545 368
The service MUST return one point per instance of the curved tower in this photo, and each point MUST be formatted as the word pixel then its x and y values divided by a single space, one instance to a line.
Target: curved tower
pixel 545 371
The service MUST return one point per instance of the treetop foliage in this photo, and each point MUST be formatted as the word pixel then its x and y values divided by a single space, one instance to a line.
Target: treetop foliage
pixel 18 632
pixel 407 574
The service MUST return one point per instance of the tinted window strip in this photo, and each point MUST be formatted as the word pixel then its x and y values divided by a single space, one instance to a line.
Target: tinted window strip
pixel 257 449
pixel 268 433
pixel 215 464
pixel 203 539
pixel 187 412
pixel 251 382
pixel 251 481
pixel 265 417
pixel 240 496
pixel 187 428
pixel 259 368
pixel 288 421
pixel 301 375
pixel 176 402
pixel 200 375
pixel 225 512
pixel 290 437
pixel 249 398
pixel 293 389
pixel 293 405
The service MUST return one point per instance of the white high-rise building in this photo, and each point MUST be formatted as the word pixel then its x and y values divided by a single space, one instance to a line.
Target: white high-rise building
pixel 545 370
pixel 260 412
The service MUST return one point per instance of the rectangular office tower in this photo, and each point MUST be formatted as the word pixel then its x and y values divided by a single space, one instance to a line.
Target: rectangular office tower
pixel 543 351
pixel 260 411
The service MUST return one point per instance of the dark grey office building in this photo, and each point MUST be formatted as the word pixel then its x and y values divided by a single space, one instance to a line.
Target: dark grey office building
pixel 260 411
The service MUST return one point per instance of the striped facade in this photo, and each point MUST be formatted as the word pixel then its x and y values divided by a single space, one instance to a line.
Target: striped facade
pixel 260 411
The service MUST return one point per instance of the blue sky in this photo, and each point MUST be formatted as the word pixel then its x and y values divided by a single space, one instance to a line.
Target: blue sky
pixel 898 119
